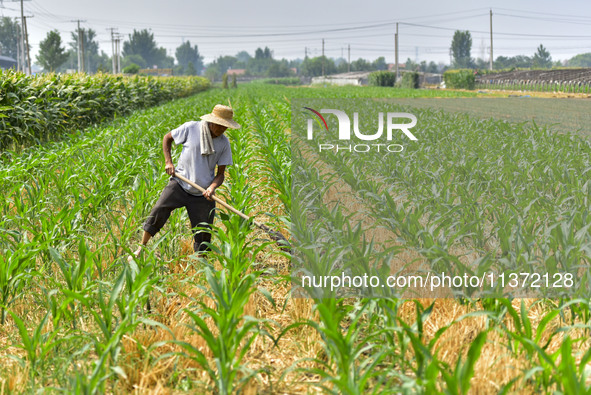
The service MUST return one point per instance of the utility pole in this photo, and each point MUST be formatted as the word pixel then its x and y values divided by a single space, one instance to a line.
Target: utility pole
pixel 323 57
pixel 305 53
pixel 23 35
pixel 20 48
pixel 18 54
pixel 82 51
pixel 491 42
pixel 349 57
pixel 396 52
pixel 112 29
pixel 80 48
pixel 79 55
pixel 27 45
pixel 117 47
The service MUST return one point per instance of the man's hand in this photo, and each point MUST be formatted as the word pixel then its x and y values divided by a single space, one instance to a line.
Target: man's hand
pixel 169 168
pixel 209 192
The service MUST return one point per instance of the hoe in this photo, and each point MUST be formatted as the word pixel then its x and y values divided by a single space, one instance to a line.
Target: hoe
pixel 276 236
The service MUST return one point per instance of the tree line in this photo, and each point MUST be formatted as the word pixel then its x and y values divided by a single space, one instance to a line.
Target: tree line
pixel 140 50
pixel 461 46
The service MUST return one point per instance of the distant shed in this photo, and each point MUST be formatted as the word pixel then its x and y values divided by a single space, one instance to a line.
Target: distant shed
pixel 7 63
pixel 353 78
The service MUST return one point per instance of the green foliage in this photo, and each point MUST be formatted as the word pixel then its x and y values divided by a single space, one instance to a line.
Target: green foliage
pixel 312 67
pixel 263 53
pixel 70 208
pixel 234 84
pixel 187 55
pixel 382 78
pixel 223 63
pixel 519 61
pixel 9 33
pixel 142 43
pixel 51 53
pixel 225 81
pixel 212 73
pixel 542 58
pixel 92 58
pixel 410 80
pixel 580 60
pixel 279 81
pixel 279 69
pixel 131 69
pixel 461 45
pixel 133 59
pixel 459 79
pixel 42 108
pixel 190 69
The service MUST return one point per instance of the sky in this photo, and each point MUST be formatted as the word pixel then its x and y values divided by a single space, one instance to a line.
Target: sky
pixel 293 29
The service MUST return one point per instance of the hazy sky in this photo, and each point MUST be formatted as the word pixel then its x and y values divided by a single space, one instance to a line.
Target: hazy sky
pixel 288 28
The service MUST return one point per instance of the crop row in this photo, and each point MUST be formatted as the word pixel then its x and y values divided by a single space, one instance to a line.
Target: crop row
pixel 561 80
pixel 72 209
pixel 34 109
pixel 423 197
pixel 506 194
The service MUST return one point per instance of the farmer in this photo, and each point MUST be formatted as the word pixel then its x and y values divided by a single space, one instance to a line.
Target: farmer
pixel 204 148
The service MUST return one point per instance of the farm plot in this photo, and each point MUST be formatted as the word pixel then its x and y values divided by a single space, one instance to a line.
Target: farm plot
pixel 559 80
pixel 571 116
pixel 76 317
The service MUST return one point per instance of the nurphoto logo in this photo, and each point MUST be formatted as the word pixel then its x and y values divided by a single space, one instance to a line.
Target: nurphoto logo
pixel 393 127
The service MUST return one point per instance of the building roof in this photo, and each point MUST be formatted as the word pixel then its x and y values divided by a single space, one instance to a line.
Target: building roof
pixel 351 75
pixel 6 58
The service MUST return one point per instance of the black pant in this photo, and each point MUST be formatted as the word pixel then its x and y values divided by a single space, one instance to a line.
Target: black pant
pixel 201 213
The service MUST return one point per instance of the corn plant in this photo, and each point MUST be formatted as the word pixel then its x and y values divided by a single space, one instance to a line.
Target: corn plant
pixel 233 334
pixel 352 355
pixel 37 346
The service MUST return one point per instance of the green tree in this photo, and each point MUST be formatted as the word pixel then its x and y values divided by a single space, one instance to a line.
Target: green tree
pixel 133 59
pixel 186 54
pixel 580 60
pixel 51 53
pixel 142 43
pixel 263 53
pixel 542 58
pixel 243 57
pixel 262 61
pixel 312 67
pixel 92 58
pixel 432 68
pixel 360 65
pixel 410 65
pixel 461 46
pixel 212 73
pixel 379 64
pixel 9 31
pixel 224 63
pixel 131 69
pixel 279 69
pixel 504 62
pixel 190 70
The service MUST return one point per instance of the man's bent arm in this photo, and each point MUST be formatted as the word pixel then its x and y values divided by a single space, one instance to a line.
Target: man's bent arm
pixel 217 181
pixel 219 178
pixel 166 147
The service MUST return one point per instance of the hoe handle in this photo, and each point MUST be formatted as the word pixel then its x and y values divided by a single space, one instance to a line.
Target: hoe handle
pixel 224 204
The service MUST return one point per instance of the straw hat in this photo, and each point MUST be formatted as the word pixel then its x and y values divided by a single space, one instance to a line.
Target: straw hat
pixel 222 115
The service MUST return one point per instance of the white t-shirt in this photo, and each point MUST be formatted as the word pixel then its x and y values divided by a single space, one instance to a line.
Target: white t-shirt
pixel 196 167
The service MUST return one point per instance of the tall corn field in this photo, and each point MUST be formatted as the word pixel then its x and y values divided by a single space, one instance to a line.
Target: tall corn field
pixel 35 109
pixel 76 317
